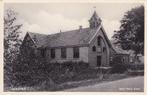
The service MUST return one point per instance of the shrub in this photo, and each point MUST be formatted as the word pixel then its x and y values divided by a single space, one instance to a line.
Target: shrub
pixel 67 71
pixel 31 74
pixel 118 65
pixel 118 68
pixel 117 59
pixel 136 66
pixel 136 69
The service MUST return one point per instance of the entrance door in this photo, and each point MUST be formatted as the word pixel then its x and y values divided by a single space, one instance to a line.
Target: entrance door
pixel 98 61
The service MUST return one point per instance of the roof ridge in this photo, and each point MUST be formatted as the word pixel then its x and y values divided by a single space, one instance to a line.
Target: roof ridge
pixel 74 30
pixel 37 33
pixel 56 33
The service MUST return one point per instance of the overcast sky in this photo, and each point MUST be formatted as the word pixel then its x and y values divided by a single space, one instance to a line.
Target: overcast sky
pixel 49 18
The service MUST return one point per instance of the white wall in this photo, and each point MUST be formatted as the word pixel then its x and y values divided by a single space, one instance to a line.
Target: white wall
pixel 84 54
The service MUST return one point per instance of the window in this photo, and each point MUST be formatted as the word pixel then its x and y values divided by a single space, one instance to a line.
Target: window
pixel 63 52
pixel 99 41
pixel 43 52
pixel 104 49
pixel 52 53
pixel 93 48
pixel 75 52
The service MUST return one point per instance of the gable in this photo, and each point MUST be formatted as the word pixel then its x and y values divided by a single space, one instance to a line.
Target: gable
pixel 108 41
pixel 99 40
pixel 40 40
pixel 28 41
pixel 27 47
pixel 100 33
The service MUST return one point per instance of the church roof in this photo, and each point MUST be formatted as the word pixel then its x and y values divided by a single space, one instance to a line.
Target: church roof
pixel 78 37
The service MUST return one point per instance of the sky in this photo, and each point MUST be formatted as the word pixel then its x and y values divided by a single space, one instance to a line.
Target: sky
pixel 50 18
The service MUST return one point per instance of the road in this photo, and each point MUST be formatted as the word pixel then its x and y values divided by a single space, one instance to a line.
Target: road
pixel 135 84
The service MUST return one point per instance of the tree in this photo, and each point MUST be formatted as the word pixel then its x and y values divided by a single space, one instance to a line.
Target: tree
pixel 131 33
pixel 12 42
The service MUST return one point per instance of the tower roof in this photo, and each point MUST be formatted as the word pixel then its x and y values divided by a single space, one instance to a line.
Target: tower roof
pixel 95 16
pixel 94 21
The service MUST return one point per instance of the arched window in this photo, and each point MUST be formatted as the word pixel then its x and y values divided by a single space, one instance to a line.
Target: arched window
pixel 104 49
pixel 93 48
pixel 99 41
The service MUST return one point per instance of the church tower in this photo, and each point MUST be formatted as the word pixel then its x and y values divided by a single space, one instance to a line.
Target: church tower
pixel 94 21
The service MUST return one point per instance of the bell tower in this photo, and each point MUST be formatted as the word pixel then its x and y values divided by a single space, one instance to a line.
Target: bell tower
pixel 94 21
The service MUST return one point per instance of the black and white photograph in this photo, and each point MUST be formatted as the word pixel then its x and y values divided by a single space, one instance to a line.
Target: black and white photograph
pixel 73 47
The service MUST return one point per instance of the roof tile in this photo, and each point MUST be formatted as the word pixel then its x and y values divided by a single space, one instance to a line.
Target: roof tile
pixel 68 38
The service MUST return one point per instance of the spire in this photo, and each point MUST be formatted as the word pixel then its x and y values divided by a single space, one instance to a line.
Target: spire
pixel 95 20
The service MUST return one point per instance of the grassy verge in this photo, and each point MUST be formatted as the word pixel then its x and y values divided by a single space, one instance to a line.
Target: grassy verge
pixel 104 78
pixel 74 84
pixel 65 76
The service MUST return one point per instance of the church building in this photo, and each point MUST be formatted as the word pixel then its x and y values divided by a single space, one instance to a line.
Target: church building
pixel 90 45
